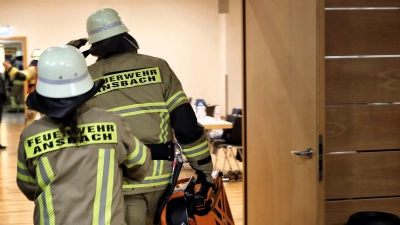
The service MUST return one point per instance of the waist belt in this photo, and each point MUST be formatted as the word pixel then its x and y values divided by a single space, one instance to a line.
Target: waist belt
pixel 162 151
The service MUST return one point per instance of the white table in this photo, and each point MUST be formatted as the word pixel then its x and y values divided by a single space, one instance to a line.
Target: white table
pixel 210 123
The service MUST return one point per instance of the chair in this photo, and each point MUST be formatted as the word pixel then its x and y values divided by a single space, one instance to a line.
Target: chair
pixel 236 111
pixel 231 138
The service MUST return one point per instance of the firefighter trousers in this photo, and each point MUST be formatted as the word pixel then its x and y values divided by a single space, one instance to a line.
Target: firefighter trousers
pixel 140 208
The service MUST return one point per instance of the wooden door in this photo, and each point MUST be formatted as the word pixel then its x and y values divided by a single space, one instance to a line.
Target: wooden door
pixel 362 114
pixel 281 88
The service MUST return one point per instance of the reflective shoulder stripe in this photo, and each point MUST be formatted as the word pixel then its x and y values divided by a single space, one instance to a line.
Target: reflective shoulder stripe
pixel 131 78
pixel 104 187
pixel 46 210
pixel 23 174
pixel 93 133
pixel 177 98
pixel 197 150
pixel 135 109
pixel 44 173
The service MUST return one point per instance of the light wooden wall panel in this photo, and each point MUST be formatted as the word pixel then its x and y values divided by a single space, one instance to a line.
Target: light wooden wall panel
pixel 338 212
pixel 362 175
pixel 362 127
pixel 362 80
pixel 362 3
pixel 362 32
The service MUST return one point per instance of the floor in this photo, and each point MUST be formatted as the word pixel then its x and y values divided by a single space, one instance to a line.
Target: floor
pixel 16 209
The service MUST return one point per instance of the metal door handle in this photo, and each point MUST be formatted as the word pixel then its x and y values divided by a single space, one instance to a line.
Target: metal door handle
pixel 307 153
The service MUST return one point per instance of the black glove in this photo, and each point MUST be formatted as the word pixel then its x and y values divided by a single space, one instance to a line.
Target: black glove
pixel 202 179
pixel 78 43
pixel 201 205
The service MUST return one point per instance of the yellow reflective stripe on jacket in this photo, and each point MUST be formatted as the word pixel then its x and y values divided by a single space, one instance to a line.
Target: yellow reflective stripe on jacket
pixel 135 109
pixel 47 216
pixel 138 156
pixel 93 133
pixel 164 127
pixel 18 82
pixel 197 150
pixel 177 98
pixel 127 79
pixel 158 167
pixel 150 181
pixel 104 187
pixel 44 173
pixel 23 174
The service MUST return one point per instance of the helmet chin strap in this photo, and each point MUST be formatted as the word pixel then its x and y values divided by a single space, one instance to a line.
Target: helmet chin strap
pixel 131 42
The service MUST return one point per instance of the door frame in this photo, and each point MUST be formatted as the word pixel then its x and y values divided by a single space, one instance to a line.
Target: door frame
pixel 24 46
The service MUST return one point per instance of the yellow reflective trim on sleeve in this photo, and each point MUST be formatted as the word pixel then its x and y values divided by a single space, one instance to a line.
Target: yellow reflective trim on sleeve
pixel 197 150
pixel 177 98
pixel 23 174
pixel 138 156
pixel 127 79
pixel 93 133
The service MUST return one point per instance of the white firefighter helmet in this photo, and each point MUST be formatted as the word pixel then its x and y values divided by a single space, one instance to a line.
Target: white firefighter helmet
pixel 36 54
pixel 103 24
pixel 18 53
pixel 63 73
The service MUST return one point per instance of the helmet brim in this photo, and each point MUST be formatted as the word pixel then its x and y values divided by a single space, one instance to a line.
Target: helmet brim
pixel 60 107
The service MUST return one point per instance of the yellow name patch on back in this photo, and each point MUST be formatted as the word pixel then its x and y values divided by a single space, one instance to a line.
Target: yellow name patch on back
pixel 130 78
pixel 51 140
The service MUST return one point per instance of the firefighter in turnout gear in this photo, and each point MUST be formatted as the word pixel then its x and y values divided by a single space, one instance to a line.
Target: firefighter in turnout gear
pixel 71 161
pixel 17 85
pixel 29 76
pixel 147 93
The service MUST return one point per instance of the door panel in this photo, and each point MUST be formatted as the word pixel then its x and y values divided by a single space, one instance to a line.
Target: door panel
pixel 362 80
pixel 338 211
pixel 362 127
pixel 361 120
pixel 362 3
pixel 281 112
pixel 362 32
pixel 362 175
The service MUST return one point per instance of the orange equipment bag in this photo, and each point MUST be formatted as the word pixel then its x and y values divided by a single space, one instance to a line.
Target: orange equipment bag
pixel 182 208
